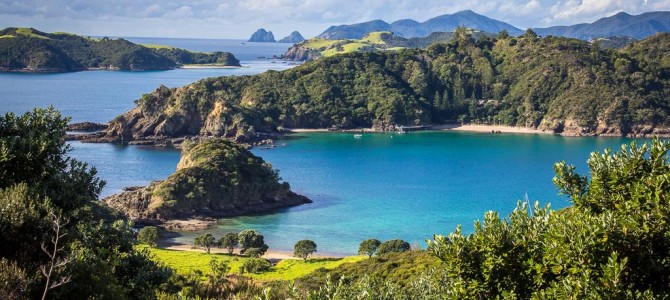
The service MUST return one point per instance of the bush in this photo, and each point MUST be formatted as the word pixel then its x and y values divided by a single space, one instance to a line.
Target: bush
pixel 256 265
pixel 391 246
pixel 149 235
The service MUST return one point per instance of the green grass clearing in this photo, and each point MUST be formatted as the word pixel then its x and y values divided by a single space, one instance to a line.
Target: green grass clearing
pixel 185 262
pixel 29 32
pixel 156 46
pixel 7 36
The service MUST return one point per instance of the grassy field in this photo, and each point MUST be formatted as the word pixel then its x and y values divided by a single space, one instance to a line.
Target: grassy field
pixel 155 46
pixel 185 262
pixel 329 47
pixel 29 32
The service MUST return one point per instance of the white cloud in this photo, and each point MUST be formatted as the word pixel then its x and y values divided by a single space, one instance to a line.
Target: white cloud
pixel 240 18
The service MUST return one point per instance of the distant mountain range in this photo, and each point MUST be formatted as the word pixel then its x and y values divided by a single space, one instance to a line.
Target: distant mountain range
pixel 409 28
pixel 621 24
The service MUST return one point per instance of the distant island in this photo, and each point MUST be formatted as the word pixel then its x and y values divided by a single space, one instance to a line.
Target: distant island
pixel 214 178
pixel 31 50
pixel 375 41
pixel 619 25
pixel 294 37
pixel 409 28
pixel 262 36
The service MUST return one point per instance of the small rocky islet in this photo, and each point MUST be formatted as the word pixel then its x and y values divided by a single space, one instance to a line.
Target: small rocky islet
pixel 215 178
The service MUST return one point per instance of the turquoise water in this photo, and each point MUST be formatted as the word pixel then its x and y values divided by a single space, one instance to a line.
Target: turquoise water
pixel 407 186
pixel 381 185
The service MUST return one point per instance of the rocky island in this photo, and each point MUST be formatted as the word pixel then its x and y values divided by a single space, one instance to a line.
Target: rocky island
pixel 294 37
pixel 214 178
pixel 262 36
pixel 31 50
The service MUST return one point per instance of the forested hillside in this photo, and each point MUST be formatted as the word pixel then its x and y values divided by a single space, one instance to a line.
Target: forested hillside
pixel 27 49
pixel 560 84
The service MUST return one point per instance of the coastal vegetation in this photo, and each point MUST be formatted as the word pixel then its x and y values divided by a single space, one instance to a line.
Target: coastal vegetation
pixel 304 248
pixel 555 84
pixel 59 241
pixel 30 50
pixel 214 178
pixel 612 243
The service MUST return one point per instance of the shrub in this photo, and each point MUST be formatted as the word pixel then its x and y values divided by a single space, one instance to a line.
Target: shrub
pixel 392 246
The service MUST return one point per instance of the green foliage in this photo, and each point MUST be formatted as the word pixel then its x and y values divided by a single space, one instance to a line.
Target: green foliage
pixel 38 183
pixel 607 246
pixel 256 265
pixel 392 246
pixel 229 241
pixel 14 282
pixel 148 235
pixel 251 239
pixel 206 241
pixel 369 247
pixel 216 177
pixel 397 268
pixel 304 248
pixel 30 49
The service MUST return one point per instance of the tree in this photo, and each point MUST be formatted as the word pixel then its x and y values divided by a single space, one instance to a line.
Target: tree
pixel 149 235
pixel 304 248
pixel 251 239
pixel 206 241
pixel 391 246
pixel 229 241
pixel 49 204
pixel 369 247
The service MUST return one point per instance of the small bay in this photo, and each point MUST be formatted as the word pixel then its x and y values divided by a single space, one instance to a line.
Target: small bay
pixel 381 185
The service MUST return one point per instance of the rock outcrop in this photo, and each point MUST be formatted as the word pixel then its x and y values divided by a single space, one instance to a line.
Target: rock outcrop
pixel 214 178
pixel 262 36
pixel 294 37
pixel 299 52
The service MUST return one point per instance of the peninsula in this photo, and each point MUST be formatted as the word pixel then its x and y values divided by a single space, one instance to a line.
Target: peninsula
pixel 30 50
pixel 561 85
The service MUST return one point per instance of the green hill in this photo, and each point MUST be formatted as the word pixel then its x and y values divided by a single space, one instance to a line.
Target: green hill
pixel 374 41
pixel 30 50
pixel 214 178
pixel 559 84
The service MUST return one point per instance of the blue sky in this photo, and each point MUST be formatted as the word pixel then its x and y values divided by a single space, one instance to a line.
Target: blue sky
pixel 239 19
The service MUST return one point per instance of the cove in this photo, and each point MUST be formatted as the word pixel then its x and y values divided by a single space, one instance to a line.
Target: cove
pixel 382 185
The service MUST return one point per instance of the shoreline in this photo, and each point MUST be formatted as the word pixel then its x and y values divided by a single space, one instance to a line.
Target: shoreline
pixel 273 255
pixel 444 127
pixel 204 66
pixel 489 129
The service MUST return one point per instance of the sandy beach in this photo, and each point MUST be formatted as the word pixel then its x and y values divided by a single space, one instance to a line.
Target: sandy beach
pixel 489 128
pixel 209 67
pixel 454 127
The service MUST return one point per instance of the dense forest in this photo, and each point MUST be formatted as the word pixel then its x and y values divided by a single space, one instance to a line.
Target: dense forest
pixel 27 49
pixel 557 84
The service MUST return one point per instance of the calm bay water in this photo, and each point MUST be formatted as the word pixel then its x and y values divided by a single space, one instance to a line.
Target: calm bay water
pixel 381 185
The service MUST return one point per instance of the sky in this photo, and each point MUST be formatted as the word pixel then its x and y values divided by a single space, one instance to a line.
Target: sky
pixel 240 18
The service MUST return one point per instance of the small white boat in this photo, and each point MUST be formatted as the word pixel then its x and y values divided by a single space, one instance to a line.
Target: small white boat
pixel 358 136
